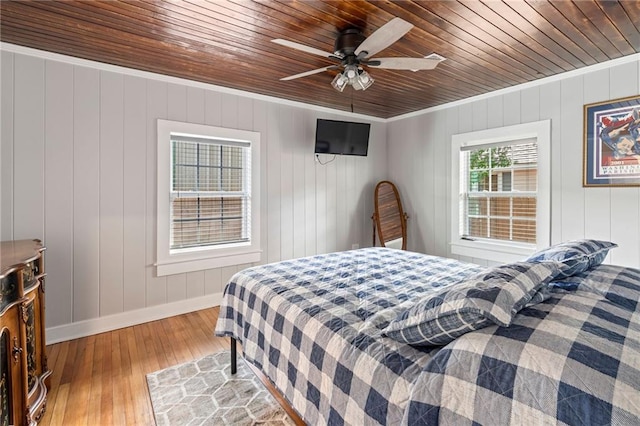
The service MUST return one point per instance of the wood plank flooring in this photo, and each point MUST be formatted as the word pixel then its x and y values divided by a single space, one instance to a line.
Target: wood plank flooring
pixel 101 379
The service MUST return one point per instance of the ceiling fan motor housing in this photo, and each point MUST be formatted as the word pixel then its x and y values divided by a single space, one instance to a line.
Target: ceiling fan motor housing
pixel 348 41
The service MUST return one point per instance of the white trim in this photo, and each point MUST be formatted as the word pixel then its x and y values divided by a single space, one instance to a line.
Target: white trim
pixel 491 251
pixel 495 250
pixel 556 77
pixel 210 262
pixel 90 327
pixel 168 263
pixel 13 48
pixel 177 80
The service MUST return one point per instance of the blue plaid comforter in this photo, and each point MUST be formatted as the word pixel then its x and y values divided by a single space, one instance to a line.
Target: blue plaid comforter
pixel 574 359
pixel 314 326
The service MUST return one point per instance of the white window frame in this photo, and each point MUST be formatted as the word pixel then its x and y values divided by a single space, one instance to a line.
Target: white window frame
pixel 494 250
pixel 171 262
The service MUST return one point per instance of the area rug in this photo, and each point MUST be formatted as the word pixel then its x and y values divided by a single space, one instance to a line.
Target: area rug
pixel 203 392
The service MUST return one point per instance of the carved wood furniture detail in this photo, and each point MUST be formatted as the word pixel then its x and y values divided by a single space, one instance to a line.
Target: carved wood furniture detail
pixel 23 360
pixel 389 219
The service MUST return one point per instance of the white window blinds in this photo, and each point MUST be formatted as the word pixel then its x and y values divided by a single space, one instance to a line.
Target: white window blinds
pixel 210 192
pixel 498 191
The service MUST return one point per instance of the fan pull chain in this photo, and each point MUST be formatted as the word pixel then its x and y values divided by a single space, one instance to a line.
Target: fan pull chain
pixel 352 90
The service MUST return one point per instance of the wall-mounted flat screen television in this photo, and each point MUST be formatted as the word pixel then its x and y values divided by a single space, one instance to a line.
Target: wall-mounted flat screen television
pixel 342 137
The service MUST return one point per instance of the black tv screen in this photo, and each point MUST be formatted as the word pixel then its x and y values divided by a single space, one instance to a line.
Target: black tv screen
pixel 342 137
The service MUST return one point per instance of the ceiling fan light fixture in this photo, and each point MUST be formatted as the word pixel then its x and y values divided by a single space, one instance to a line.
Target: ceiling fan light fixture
pixel 351 72
pixel 364 79
pixel 358 78
pixel 339 82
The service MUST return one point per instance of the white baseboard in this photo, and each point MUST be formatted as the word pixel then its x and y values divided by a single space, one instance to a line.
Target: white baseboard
pixel 85 328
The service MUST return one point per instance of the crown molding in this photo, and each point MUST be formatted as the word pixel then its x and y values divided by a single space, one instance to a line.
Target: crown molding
pixel 72 60
pixel 161 77
pixel 557 77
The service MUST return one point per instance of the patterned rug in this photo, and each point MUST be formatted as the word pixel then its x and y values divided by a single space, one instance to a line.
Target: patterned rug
pixel 203 392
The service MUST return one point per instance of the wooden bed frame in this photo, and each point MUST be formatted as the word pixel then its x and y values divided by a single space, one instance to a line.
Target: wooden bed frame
pixel 266 382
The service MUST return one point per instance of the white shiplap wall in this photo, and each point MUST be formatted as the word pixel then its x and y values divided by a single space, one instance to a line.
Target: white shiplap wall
pixel 420 163
pixel 79 172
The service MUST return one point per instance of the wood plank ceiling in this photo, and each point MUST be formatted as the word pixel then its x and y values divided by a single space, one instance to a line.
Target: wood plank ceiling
pixel 489 45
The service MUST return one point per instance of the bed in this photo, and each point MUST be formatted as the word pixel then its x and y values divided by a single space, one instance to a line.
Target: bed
pixel 344 337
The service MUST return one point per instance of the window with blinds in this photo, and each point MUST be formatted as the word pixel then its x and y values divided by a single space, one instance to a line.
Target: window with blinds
pixel 208 197
pixel 210 192
pixel 501 192
pixel 498 191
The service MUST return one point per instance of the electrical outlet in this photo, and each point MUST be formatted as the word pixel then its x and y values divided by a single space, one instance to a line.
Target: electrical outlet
pixel 355 246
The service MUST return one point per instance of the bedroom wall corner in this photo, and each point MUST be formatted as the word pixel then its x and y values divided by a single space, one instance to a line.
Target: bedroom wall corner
pixel 79 146
pixel 6 145
pixel 576 212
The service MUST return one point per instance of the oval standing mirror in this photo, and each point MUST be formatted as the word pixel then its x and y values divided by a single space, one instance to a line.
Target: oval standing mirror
pixel 389 219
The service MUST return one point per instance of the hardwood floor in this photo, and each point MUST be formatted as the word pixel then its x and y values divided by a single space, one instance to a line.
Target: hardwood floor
pixel 101 379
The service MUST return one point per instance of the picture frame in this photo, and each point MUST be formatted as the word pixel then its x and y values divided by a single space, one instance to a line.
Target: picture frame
pixel 611 155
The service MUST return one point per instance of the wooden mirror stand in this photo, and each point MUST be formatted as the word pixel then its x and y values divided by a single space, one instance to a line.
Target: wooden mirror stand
pixel 389 219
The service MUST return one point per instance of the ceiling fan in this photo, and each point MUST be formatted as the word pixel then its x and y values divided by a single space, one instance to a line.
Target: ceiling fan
pixel 353 51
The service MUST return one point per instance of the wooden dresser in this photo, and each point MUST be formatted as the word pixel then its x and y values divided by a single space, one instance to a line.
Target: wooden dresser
pixel 23 360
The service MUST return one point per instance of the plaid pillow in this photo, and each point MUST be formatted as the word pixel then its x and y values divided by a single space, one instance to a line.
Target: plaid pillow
pixel 574 256
pixel 493 297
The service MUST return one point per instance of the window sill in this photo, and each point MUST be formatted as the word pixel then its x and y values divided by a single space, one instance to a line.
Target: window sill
pixel 182 265
pixel 493 251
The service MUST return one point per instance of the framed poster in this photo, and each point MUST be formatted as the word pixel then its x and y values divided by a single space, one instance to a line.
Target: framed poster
pixel 612 143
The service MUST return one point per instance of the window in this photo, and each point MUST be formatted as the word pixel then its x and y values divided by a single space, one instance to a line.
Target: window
pixel 208 197
pixel 210 192
pixel 501 182
pixel 490 206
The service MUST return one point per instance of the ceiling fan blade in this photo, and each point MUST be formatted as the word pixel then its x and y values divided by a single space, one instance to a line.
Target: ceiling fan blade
pixel 384 37
pixel 413 64
pixel 306 73
pixel 298 46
